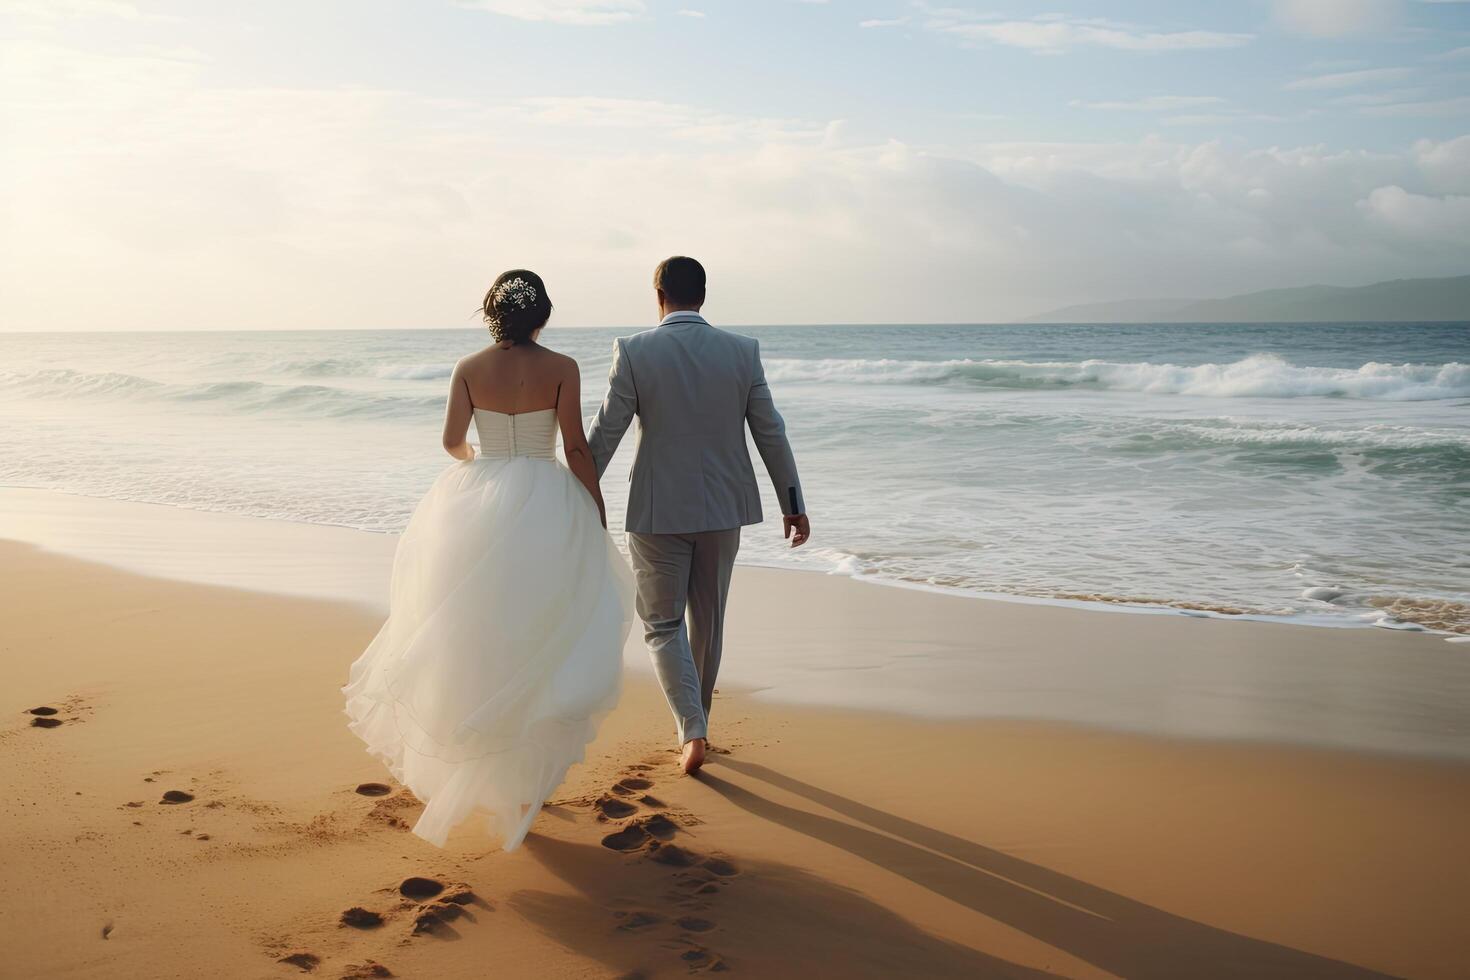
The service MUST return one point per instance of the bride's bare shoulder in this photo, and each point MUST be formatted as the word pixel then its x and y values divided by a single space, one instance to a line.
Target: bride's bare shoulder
pixel 558 362
pixel 474 359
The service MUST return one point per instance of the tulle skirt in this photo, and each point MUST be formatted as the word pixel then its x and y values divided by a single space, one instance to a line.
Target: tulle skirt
pixel 503 646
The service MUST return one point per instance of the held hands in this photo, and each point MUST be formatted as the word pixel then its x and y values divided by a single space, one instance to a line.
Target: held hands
pixel 799 524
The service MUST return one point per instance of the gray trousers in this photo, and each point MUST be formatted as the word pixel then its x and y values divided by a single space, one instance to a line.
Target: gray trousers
pixel 678 573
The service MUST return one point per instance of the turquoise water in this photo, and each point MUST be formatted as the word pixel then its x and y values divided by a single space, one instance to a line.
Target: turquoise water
pixel 1310 470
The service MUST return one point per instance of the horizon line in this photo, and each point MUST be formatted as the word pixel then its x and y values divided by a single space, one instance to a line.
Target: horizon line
pixel 741 326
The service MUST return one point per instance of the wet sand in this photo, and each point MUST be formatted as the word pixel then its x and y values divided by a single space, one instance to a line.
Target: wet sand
pixel 811 639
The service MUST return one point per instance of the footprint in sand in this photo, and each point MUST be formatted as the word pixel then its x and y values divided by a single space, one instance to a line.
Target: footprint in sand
pixel 703 959
pixel 374 789
pixel 463 896
pixel 649 830
pixel 45 722
pixel 652 801
pixel 303 960
pixel 177 796
pixel 671 854
pixel 631 785
pixel 358 917
pixel 634 921
pixel 43 710
pixel 429 918
pixel 615 809
pixel 659 826
pixel 704 877
pixel 366 970
pixel 630 838
pixel 436 916
pixel 720 867
pixel 420 889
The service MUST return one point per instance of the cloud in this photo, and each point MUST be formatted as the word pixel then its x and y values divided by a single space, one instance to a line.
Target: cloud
pixel 1445 164
pixel 1457 105
pixel 1386 97
pixel 1349 79
pixel 1211 110
pixel 1420 217
pixel 1454 54
pixel 581 12
pixel 1152 103
pixel 1058 33
pixel 1336 18
pixel 164 191
pixel 676 121
pixel 1224 117
pixel 67 9
pixel 879 22
pixel 690 13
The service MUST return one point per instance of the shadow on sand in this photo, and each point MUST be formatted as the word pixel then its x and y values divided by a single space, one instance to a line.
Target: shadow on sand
pixel 772 918
pixel 1108 930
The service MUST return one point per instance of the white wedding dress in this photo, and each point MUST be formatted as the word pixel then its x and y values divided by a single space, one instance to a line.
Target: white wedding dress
pixel 502 651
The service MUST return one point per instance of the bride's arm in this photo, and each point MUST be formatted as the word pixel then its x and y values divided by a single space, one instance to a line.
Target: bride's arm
pixel 573 439
pixel 457 414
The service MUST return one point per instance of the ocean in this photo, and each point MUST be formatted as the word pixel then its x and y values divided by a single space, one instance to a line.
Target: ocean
pixel 1318 472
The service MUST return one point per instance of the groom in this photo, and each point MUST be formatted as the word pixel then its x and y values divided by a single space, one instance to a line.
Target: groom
pixel 694 389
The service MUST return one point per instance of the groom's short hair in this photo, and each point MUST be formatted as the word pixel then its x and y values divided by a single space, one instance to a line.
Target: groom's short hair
pixel 681 279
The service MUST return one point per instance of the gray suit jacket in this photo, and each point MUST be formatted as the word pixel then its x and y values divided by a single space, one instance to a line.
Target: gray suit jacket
pixel 694 389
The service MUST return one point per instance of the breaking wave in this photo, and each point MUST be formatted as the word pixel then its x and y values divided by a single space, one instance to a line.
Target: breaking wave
pixel 341 367
pixel 1258 376
pixel 236 396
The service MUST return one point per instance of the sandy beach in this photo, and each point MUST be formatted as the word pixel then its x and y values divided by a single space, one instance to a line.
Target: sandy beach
pixel 1034 442
pixel 820 841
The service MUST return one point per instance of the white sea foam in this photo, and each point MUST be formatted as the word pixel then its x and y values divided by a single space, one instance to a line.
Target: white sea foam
pixel 1033 471
pixel 238 396
pixel 350 367
pixel 1247 433
pixel 65 382
pixel 1258 376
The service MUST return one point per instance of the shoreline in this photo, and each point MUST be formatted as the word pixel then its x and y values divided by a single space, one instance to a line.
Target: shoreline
pixel 819 841
pixel 1160 607
pixel 907 652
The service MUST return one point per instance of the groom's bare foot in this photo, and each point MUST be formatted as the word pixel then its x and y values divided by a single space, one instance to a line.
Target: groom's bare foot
pixel 693 756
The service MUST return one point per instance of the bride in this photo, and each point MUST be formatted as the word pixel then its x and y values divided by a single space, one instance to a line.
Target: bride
pixel 509 604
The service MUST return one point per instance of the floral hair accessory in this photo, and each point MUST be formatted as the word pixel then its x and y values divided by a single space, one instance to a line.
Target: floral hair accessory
pixel 515 292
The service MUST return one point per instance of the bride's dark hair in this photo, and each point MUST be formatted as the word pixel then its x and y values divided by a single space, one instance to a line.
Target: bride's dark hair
pixel 516 306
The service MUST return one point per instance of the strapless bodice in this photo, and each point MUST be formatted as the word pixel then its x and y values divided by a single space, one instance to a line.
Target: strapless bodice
pixel 524 434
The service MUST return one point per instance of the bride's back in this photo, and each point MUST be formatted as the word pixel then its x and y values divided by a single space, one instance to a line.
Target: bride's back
pixel 515 379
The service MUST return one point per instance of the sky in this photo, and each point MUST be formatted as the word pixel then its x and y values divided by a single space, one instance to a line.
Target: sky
pixel 376 163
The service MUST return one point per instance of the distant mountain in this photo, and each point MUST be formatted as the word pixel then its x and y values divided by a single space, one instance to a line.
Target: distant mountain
pixel 1401 300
